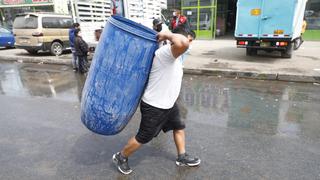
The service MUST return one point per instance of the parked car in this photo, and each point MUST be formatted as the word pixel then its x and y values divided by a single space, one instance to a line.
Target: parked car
pixel 42 31
pixel 6 38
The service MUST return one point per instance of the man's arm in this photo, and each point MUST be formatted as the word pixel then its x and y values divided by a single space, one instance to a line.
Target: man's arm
pixel 179 42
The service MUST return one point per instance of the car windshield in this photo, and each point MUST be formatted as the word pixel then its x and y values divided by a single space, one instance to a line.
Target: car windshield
pixel 26 22
pixel 4 31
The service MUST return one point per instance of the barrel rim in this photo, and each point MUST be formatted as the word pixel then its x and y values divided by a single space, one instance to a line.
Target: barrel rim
pixel 149 34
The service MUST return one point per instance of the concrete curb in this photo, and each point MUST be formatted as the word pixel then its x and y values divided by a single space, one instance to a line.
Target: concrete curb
pixel 254 75
pixel 35 60
pixel 195 71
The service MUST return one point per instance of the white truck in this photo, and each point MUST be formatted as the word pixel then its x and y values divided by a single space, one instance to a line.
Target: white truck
pixel 92 16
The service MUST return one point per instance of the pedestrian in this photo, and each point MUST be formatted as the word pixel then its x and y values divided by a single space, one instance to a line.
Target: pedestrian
pixel 82 49
pixel 75 64
pixel 158 107
pixel 157 25
pixel 178 20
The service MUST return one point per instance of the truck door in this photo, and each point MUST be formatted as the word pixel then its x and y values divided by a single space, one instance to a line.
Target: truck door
pixel 277 18
pixel 248 18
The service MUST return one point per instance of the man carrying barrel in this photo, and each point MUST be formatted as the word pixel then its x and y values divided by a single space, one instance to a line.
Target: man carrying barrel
pixel 159 110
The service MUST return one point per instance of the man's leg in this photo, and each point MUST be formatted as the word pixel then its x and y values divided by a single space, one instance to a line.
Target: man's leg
pixel 150 126
pixel 179 139
pixel 183 158
pixel 121 158
pixel 132 146
pixel 74 59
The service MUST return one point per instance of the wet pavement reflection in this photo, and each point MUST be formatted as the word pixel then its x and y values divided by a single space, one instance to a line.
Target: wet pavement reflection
pixel 242 129
pixel 274 108
pixel 58 82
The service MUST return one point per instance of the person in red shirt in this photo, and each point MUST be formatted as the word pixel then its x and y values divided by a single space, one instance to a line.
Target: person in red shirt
pixel 178 20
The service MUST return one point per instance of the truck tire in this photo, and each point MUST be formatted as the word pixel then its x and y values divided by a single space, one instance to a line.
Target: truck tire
pixel 56 48
pixel 252 52
pixel 33 52
pixel 288 52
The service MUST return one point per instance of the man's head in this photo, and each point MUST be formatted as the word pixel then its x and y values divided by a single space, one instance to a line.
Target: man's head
pixel 191 35
pixel 176 13
pixel 76 25
pixel 77 32
pixel 157 25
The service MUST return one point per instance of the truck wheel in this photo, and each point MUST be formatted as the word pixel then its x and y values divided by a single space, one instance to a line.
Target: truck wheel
pixel 56 49
pixel 33 52
pixel 288 52
pixel 252 52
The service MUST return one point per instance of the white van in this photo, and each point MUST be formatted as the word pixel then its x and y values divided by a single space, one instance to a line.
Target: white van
pixel 42 31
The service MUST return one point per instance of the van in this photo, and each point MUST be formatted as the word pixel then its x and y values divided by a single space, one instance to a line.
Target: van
pixel 42 32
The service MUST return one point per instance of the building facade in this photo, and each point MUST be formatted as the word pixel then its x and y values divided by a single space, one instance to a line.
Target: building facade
pixel 10 8
pixel 83 10
pixel 91 10
pixel 134 9
pixel 152 8
pixel 215 18
pixel 201 15
pixel 312 16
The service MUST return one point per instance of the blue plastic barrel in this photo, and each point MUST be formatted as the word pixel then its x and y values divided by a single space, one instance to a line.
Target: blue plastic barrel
pixel 117 76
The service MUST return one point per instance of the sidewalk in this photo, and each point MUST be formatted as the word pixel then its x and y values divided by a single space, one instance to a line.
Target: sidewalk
pixel 221 58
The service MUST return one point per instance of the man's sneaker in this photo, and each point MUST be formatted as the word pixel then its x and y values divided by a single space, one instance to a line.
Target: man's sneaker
pixel 121 163
pixel 186 160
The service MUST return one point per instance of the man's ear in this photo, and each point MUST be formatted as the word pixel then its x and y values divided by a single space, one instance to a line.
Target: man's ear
pixel 190 38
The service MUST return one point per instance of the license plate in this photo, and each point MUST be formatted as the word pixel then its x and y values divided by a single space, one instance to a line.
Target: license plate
pixel 24 41
pixel 265 44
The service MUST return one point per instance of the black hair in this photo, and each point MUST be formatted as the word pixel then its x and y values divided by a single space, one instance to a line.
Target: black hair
pixel 75 25
pixel 76 32
pixel 184 31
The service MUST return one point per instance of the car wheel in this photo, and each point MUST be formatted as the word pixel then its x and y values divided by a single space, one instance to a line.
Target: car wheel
pixel 33 52
pixel 56 49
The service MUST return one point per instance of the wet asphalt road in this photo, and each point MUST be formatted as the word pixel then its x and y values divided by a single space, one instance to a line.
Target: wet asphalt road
pixel 241 129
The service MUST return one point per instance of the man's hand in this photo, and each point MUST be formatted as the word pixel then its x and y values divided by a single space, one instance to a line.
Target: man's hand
pixel 162 36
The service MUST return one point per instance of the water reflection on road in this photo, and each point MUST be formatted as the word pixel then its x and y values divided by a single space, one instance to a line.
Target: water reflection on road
pixel 271 108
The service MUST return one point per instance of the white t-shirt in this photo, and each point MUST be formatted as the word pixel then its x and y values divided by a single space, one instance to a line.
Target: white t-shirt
pixel 165 79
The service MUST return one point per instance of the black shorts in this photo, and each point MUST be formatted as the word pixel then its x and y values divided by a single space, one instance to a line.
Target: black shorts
pixel 153 120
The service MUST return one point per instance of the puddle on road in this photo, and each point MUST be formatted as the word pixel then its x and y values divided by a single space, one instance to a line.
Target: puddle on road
pixel 51 81
pixel 265 107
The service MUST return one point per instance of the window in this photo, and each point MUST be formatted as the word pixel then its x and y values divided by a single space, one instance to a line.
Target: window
pixel 26 22
pixel 206 2
pixel 312 15
pixel 5 31
pixel 190 3
pixel 65 23
pixel 56 22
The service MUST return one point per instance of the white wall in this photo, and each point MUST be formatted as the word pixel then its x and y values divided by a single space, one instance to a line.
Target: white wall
pixel 92 10
pixel 61 6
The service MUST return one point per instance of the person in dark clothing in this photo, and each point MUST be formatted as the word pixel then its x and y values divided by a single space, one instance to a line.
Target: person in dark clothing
pixel 72 37
pixel 157 25
pixel 81 50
